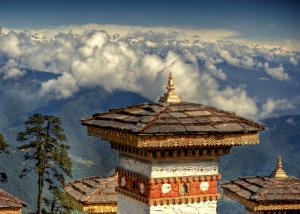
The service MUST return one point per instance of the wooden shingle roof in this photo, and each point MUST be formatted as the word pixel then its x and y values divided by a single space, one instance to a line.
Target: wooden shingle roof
pixel 275 192
pixel 171 119
pixel 93 190
pixel 172 123
pixel 9 201
pixel 265 189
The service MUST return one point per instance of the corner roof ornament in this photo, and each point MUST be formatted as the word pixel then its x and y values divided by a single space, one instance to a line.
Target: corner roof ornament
pixel 170 96
pixel 279 171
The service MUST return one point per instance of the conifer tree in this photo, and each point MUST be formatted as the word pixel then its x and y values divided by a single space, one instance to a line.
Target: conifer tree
pixel 45 154
pixel 3 148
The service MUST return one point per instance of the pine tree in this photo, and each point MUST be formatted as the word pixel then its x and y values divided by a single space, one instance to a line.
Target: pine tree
pixel 45 154
pixel 3 148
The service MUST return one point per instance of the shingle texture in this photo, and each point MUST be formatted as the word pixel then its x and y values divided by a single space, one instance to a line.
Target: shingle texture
pixel 93 190
pixel 9 201
pixel 172 118
pixel 265 189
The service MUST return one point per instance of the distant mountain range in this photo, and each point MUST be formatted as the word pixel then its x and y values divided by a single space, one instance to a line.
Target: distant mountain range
pixel 92 157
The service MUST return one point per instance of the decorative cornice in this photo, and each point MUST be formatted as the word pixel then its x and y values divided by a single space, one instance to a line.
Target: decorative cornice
pixel 267 207
pixel 171 154
pixel 100 208
pixel 174 141
pixel 11 209
pixel 255 206
pixel 167 179
pixel 250 205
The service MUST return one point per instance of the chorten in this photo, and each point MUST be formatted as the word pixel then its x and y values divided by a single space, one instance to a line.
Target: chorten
pixel 278 193
pixel 169 151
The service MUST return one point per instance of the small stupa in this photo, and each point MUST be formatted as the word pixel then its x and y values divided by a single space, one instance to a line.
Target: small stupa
pixel 277 193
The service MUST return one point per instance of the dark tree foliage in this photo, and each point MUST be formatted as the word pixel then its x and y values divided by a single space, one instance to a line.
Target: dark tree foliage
pixel 45 154
pixel 3 148
pixel 61 203
pixel 3 145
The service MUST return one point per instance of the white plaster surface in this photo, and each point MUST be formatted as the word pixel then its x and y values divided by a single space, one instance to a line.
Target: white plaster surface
pixel 135 165
pixel 158 169
pixel 208 207
pixel 128 205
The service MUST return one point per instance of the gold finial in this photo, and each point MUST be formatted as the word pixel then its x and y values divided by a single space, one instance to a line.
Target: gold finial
pixel 170 95
pixel 279 170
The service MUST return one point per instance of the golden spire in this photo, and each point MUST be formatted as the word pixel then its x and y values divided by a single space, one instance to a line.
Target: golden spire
pixel 170 95
pixel 279 170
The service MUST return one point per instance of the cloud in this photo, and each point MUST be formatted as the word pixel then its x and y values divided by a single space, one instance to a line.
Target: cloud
pixel 82 161
pixel 63 86
pixel 276 72
pixel 273 105
pixel 138 60
pixel 241 59
pixel 235 100
pixel 293 60
pixel 290 121
pixel 11 70
pixel 177 33
pixel 228 58
pixel 215 71
pixel 264 78
pixel 278 47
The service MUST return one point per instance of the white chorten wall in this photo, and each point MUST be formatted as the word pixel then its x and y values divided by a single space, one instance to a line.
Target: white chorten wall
pixel 167 169
pixel 208 207
pixel 127 205
pixel 159 169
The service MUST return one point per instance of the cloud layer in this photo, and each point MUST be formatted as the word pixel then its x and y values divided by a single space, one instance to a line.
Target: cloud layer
pixel 139 61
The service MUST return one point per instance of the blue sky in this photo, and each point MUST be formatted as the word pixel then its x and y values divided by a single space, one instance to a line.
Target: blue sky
pixel 253 19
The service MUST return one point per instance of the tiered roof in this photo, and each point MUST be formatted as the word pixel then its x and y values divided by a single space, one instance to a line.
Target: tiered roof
pixel 274 192
pixel 93 190
pixel 170 117
pixel 265 189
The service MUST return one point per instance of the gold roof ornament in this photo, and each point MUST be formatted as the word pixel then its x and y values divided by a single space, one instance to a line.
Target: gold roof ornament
pixel 170 96
pixel 279 170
